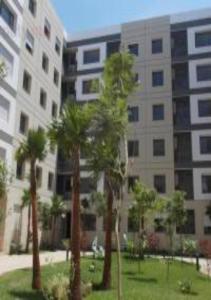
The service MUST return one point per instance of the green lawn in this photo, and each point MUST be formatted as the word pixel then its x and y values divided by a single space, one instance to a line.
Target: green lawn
pixel 150 284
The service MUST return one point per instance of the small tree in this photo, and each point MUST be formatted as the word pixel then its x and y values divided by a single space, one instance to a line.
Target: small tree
pixel 3 191
pixel 26 202
pixel 56 210
pixel 33 149
pixel 143 204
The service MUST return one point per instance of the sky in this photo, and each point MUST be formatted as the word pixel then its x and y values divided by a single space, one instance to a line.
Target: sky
pixel 82 15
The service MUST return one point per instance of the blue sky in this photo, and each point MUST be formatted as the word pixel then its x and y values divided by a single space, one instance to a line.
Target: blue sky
pixel 80 15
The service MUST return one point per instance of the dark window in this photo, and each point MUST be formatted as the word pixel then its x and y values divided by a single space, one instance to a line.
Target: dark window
pixel 20 171
pixel 158 112
pixel 136 77
pixel 57 46
pixel 87 185
pixel 133 114
pixel 54 110
pixel 157 46
pixel 133 148
pixel 56 77
pixel 92 56
pixel 133 49
pixel 43 99
pixel 33 7
pixel 24 124
pixel 160 183
pixel 88 222
pixel 159 147
pixel 7 15
pixel 204 73
pixel 29 42
pixel 90 86
pixel 157 78
pixel 133 223
pixel 207 230
pixel 47 29
pixel 27 80
pixel 113 47
pixel 50 181
pixel 189 226
pixel 131 182
pixel 205 144
pixel 204 107
pixel 203 39
pixel 45 63
pixel 39 176
pixel 206 184
pixel 158 224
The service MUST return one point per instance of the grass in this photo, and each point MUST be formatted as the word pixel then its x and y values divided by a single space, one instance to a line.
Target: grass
pixel 150 284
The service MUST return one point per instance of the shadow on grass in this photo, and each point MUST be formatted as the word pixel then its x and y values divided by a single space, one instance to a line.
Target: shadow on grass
pixel 143 280
pixel 24 295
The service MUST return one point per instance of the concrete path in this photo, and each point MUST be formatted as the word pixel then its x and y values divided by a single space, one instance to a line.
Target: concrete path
pixel 14 262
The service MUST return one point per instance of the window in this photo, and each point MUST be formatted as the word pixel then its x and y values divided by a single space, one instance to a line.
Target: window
pixel 203 39
pixel 54 110
pixel 136 78
pixel 24 124
pixel 8 60
pixel 204 108
pixel 50 181
pixel 90 86
pixel 39 176
pixel 133 114
pixel 159 147
pixel 133 49
pixel 7 15
pixel 132 223
pixel 158 112
pixel 20 171
pixel 27 81
pixel 56 77
pixel 43 99
pixel 91 56
pixel 88 222
pixel 204 73
pixel 189 226
pixel 157 46
pixel 33 7
pixel 157 78
pixel 160 183
pixel 29 42
pixel 206 184
pixel 133 148
pixel 45 63
pixel 4 109
pixel 57 46
pixel 205 144
pixel 159 227
pixel 131 182
pixel 47 29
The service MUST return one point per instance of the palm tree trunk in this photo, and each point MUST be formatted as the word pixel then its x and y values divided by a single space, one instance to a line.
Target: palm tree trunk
pixel 53 233
pixel 75 280
pixel 106 282
pixel 28 229
pixel 36 279
pixel 119 263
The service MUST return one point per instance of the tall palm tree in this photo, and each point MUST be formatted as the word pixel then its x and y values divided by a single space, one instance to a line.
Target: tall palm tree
pixel 70 132
pixel 26 202
pixel 56 209
pixel 33 149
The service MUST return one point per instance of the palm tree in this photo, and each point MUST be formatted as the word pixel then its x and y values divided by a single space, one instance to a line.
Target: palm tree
pixel 111 123
pixel 70 132
pixel 33 149
pixel 3 195
pixel 26 202
pixel 56 209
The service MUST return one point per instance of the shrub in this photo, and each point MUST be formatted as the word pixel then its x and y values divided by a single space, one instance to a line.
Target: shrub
pixel 57 288
pixel 190 247
pixel 185 286
pixel 153 242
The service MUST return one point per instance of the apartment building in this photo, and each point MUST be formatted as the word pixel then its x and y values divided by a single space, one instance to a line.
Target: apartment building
pixel 169 138
pixel 36 100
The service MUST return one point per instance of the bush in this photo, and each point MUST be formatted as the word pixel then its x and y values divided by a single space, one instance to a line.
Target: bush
pixel 185 286
pixel 57 288
pixel 190 247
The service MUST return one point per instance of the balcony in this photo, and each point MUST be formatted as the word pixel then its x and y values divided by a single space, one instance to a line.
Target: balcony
pixel 182 113
pixel 180 75
pixel 183 150
pixel 179 44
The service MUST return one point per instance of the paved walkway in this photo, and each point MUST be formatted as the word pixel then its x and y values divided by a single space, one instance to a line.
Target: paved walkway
pixel 14 262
